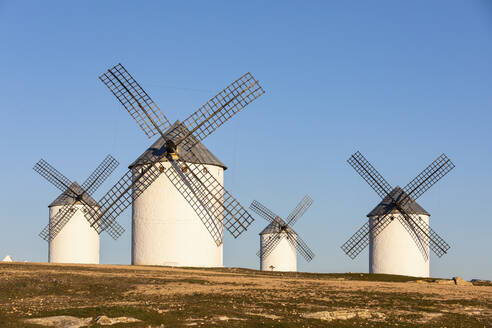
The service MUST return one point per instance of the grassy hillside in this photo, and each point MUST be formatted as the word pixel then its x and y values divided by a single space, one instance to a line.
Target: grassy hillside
pixel 182 297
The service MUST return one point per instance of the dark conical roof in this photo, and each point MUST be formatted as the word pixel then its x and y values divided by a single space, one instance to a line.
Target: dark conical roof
pixel 66 198
pixel 274 227
pixel 201 152
pixel 387 205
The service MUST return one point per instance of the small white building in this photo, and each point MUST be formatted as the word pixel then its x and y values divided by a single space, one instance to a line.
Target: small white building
pixel 77 242
pixel 165 228
pixel 393 250
pixel 283 257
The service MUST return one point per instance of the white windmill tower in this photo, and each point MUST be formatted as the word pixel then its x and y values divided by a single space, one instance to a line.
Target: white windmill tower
pixel 166 228
pixel 175 214
pixel 279 243
pixel 69 233
pixel 398 231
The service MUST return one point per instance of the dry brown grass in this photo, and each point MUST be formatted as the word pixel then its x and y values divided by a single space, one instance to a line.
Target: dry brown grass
pixel 236 297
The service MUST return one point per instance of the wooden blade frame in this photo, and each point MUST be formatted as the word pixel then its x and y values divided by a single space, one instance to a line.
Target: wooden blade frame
pixel 135 100
pixel 222 107
pixel 426 234
pixel 100 174
pixel 120 196
pixel 299 211
pixel 360 239
pixel 415 234
pixel 300 246
pixel 362 166
pixel 54 176
pixel 270 245
pixel 234 217
pixel 196 195
pixel 427 178
pixel 263 211
pixel 61 218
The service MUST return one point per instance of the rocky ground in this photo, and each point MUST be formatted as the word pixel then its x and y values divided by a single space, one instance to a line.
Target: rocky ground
pixel 32 295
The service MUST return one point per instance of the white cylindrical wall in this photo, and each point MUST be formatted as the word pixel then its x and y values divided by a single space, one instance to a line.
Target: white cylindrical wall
pixel 282 258
pixel 167 231
pixel 394 251
pixel 77 242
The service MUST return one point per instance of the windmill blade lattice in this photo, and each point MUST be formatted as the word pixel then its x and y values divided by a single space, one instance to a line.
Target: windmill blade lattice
pixel 415 234
pixel 59 220
pixel 270 245
pixel 263 211
pixel 299 211
pixel 360 239
pixel 426 234
pixel 209 199
pixel 54 176
pixel 427 178
pixel 120 196
pixel 64 215
pixel 235 218
pixel 100 174
pixel 136 101
pixel 222 107
pixel 196 195
pixel 216 198
pixel 362 166
pixel 300 245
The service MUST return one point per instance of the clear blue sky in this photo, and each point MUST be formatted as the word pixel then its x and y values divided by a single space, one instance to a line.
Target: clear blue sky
pixel 400 81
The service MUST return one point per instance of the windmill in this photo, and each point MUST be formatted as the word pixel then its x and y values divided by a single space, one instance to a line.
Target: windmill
pixel 400 224
pixel 173 220
pixel 71 238
pixel 279 243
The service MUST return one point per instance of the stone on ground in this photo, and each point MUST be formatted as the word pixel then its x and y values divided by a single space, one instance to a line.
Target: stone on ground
pixel 344 315
pixel 65 321
pixel 106 321
pixel 62 321
pixel 460 281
